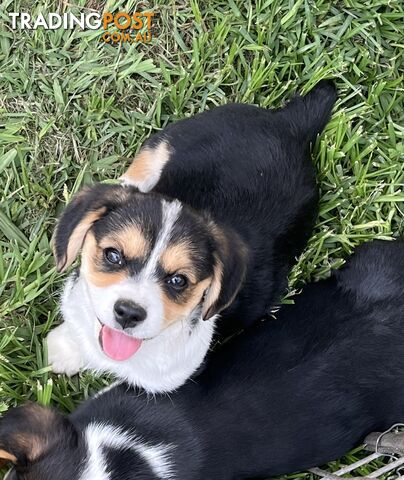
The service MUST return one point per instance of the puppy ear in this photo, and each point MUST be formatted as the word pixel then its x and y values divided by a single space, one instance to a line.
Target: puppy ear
pixel 88 206
pixel 7 457
pixel 30 431
pixel 231 259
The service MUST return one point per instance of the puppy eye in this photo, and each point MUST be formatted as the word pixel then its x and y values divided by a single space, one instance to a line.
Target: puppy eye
pixel 112 255
pixel 177 281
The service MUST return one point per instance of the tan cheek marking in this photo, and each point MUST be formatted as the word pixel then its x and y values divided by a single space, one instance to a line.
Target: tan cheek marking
pixel 146 168
pixel 177 258
pixel 89 255
pixel 102 279
pixel 178 311
pixel 7 456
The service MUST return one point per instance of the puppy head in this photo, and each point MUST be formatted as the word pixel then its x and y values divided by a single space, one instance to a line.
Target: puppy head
pixel 148 262
pixel 38 443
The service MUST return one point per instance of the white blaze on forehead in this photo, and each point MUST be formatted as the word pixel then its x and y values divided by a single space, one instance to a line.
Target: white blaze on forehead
pixel 170 214
pixel 99 436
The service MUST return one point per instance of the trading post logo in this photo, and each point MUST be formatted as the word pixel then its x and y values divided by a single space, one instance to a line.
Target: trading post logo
pixel 115 27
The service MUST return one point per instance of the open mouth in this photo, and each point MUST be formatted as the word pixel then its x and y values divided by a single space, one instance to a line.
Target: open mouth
pixel 116 344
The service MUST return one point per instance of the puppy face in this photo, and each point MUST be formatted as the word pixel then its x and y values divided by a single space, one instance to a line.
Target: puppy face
pixel 147 263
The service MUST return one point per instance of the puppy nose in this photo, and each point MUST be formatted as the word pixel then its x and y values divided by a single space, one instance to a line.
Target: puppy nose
pixel 128 314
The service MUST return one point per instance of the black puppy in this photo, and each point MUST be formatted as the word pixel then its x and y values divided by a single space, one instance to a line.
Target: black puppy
pixel 284 396
pixel 217 209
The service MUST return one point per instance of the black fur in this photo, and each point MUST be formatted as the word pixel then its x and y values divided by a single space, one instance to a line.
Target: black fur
pixel 102 198
pixel 249 170
pixel 284 396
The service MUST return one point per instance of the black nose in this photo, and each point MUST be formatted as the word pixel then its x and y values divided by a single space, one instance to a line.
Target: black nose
pixel 128 314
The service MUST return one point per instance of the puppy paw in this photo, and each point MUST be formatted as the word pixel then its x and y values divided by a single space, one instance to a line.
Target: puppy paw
pixel 63 353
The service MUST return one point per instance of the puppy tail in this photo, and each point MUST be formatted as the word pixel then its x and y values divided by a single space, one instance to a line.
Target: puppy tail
pixel 309 115
pixel 375 271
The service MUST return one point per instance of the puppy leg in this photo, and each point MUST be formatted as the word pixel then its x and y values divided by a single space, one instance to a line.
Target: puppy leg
pixel 63 352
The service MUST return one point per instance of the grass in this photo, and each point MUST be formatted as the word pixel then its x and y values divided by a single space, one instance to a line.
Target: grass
pixel 73 110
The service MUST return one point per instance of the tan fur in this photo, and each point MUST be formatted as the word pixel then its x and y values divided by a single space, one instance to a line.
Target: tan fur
pixel 43 416
pixel 7 456
pixel 130 241
pixel 174 311
pixel 141 167
pixel 91 253
pixel 216 286
pixel 103 279
pixel 214 289
pixel 146 168
pixel 177 259
pixel 33 445
pixel 117 196
pixel 77 238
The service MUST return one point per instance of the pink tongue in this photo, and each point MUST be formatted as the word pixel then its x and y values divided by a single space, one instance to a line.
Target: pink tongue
pixel 117 345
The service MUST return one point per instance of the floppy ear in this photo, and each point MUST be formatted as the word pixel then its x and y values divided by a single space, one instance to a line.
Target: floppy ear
pixel 29 432
pixel 231 258
pixel 88 206
pixel 6 457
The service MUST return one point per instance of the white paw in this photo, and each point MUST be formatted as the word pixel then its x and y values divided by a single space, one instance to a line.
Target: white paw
pixel 63 353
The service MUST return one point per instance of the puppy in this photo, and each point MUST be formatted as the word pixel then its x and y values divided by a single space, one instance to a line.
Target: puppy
pixel 285 396
pixel 213 213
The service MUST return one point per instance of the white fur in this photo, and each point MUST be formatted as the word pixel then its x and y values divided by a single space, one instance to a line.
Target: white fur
pixel 63 352
pixel 107 389
pixel 142 289
pixel 167 357
pixel 99 436
pixel 161 364
pixel 171 212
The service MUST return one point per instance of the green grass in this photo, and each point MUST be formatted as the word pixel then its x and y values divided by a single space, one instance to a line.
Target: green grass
pixel 74 110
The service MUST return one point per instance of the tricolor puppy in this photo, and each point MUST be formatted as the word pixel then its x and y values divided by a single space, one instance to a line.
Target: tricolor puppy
pixel 282 397
pixel 212 215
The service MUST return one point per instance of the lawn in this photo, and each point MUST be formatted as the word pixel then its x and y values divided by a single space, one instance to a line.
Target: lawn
pixel 74 110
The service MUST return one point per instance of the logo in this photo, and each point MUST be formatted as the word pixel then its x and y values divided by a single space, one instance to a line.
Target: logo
pixel 114 27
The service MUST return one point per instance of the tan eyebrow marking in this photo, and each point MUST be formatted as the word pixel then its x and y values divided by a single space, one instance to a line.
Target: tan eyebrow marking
pixel 130 240
pixel 177 258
